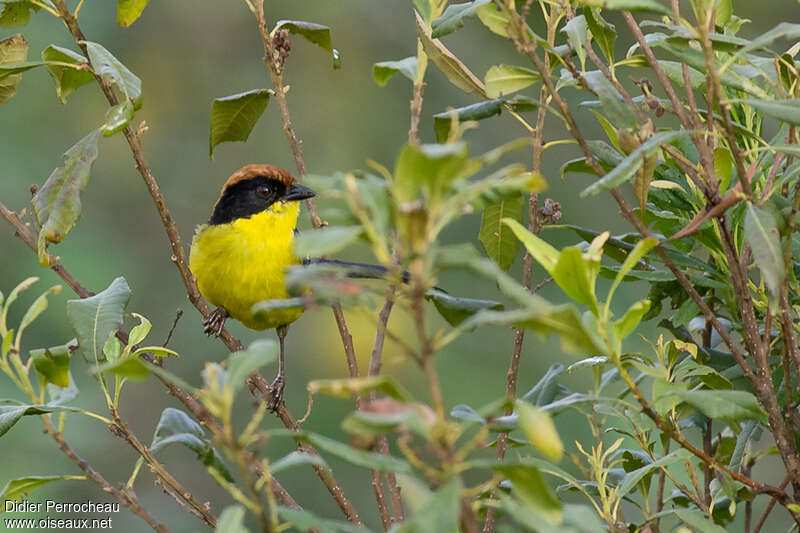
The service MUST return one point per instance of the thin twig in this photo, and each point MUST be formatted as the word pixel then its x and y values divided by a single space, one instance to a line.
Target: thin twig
pixel 125 497
pixel 768 509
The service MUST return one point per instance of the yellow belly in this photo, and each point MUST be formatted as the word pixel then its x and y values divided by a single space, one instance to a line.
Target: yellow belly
pixel 243 262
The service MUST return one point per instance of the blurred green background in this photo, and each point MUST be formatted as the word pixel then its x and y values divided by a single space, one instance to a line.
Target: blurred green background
pixel 186 54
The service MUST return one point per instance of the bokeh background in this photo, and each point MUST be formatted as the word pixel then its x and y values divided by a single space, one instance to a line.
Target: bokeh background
pixel 186 54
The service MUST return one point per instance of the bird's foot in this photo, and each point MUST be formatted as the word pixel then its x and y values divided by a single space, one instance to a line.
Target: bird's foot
pixel 213 325
pixel 276 396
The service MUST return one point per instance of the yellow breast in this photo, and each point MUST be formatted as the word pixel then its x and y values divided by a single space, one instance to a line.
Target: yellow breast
pixel 243 262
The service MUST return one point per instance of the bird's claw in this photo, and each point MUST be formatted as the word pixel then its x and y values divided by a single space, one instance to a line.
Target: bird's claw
pixel 276 394
pixel 214 324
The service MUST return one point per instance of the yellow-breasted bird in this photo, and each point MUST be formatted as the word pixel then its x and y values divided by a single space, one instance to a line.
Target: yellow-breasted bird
pixel 239 258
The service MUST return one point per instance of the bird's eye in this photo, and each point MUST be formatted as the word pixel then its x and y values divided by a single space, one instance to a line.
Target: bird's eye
pixel 264 191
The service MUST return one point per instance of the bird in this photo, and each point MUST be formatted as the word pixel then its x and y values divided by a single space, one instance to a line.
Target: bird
pixel 240 257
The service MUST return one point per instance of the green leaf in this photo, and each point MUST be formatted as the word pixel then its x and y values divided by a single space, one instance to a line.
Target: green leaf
pixel 11 414
pixel 439 512
pixel 451 19
pixel 129 10
pixel 176 427
pixel 429 168
pixel 314 33
pixel 546 388
pixel 787 110
pixel 62 395
pixel 13 50
pixel 723 167
pixel 36 308
pixel 20 487
pixel 497 239
pixel 617 111
pixel 456 310
pixel 296 458
pixel 603 32
pixel 110 68
pixel 424 8
pixel 626 170
pixel 57 203
pixel 67 79
pixel 52 364
pixel 384 70
pixel 575 276
pixel 761 233
pixel 530 488
pixel 698 521
pixel 304 520
pixel 507 79
pixel 139 331
pixel 16 13
pixel 632 479
pixel 653 6
pixel 540 430
pixel 627 324
pixel 349 387
pixel 729 405
pixel 117 118
pixel 325 241
pixel 233 117
pixel 453 69
pixel 241 364
pixel 724 12
pixel 494 19
pixel 632 260
pixel 577 32
pixel 231 520
pixel 375 461
pixel 93 319
pixel 541 251
pixel 132 368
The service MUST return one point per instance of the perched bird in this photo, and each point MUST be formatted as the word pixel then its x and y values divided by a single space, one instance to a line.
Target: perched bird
pixel 240 257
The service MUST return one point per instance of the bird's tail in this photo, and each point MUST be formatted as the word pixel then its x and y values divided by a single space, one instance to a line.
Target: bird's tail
pixel 356 270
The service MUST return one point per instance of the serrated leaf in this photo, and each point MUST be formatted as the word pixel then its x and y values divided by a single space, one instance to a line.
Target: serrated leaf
pixel 452 18
pixel 506 79
pixel 626 169
pixel 128 11
pixel 497 239
pixel 57 203
pixel 384 70
pixel 106 65
pixel 540 430
pixel 456 310
pixel 453 69
pixel 176 427
pixel 233 117
pixel 67 79
pixel 324 241
pixel 17 488
pixel 52 364
pixel 13 50
pixel 93 319
pixel 761 233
